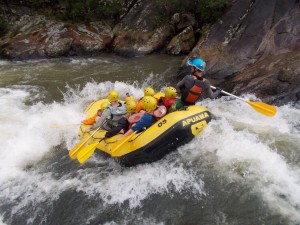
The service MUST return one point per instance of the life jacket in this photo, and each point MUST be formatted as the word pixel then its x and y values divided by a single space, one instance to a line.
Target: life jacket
pixel 159 112
pixel 92 120
pixel 116 114
pixel 195 91
pixel 168 102
pixel 134 118
pixel 139 106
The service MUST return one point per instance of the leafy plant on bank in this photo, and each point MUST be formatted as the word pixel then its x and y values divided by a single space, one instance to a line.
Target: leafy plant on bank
pixel 206 11
pixel 77 10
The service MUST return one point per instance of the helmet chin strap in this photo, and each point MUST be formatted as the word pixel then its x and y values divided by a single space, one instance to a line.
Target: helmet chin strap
pixel 194 73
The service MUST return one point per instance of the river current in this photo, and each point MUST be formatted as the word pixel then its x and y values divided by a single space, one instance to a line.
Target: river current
pixel 244 168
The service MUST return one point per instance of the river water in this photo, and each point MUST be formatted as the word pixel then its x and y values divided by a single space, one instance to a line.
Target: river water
pixel 244 168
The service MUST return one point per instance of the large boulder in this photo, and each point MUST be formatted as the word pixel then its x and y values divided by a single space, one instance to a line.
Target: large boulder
pixel 255 48
pixel 33 36
pixel 138 32
pixel 250 31
pixel 275 79
pixel 182 43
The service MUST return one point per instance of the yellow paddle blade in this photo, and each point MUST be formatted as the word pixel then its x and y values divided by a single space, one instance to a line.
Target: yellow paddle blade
pixel 73 152
pixel 123 141
pixel 86 152
pixel 263 108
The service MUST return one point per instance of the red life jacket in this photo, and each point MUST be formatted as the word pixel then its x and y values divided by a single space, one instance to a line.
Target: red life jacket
pixel 168 102
pixel 195 92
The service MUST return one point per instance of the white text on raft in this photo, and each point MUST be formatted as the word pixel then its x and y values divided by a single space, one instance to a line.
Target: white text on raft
pixel 195 119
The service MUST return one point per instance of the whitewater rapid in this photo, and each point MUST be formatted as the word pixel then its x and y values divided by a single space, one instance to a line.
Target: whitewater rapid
pixel 242 145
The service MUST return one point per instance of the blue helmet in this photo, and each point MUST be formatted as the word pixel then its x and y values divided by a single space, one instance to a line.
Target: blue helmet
pixel 198 63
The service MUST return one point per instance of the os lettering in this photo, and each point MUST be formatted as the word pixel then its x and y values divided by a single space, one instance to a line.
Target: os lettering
pixel 162 123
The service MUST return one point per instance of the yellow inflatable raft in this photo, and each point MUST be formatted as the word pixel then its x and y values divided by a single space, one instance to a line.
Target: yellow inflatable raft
pixel 168 133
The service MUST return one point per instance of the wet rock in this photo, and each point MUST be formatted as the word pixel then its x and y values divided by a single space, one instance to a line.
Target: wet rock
pixel 90 38
pixel 138 34
pixel 287 75
pixel 135 42
pixel 186 20
pixel 175 19
pixel 58 47
pixel 275 79
pixel 254 48
pixel 250 31
pixel 36 37
pixel 182 43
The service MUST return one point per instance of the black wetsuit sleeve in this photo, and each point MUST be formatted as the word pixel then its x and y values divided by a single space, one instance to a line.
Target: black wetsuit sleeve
pixel 122 124
pixel 208 93
pixel 181 85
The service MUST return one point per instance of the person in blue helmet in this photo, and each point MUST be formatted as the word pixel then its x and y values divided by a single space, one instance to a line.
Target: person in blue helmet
pixel 194 87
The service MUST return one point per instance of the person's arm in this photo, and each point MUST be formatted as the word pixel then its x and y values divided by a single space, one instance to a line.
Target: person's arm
pixel 106 113
pixel 181 83
pixel 145 121
pixel 130 131
pixel 208 91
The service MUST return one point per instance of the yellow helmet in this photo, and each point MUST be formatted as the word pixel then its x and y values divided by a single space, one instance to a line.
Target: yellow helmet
pixel 148 91
pixel 170 92
pixel 104 106
pixel 130 106
pixel 130 98
pixel 149 103
pixel 113 96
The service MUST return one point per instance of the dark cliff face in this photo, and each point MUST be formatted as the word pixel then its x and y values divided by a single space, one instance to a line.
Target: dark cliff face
pixel 255 40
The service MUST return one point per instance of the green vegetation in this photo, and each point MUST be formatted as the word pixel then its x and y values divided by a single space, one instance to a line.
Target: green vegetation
pixel 206 11
pixel 3 27
pixel 211 10
pixel 77 10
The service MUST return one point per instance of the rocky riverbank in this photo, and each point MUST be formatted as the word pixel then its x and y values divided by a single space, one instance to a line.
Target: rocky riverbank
pixel 253 48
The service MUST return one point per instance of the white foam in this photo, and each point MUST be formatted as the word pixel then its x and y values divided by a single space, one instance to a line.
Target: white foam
pixel 2 62
pixel 244 139
pixel 27 132
pixel 137 184
pixel 1 220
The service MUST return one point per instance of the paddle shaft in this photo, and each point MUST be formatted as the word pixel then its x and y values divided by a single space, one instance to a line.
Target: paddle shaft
pixel 63 125
pixel 261 107
pixel 123 141
pixel 226 93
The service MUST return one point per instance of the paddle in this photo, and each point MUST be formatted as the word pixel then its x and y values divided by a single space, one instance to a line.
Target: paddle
pixel 63 125
pixel 73 152
pixel 87 151
pixel 261 107
pixel 123 141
